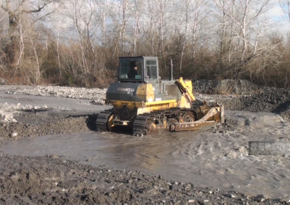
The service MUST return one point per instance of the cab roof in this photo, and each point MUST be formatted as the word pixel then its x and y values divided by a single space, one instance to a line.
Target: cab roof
pixel 132 57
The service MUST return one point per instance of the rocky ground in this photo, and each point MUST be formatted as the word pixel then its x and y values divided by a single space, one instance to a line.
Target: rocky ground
pixel 225 87
pixel 95 94
pixel 246 96
pixel 56 180
pixel 29 125
pixel 266 100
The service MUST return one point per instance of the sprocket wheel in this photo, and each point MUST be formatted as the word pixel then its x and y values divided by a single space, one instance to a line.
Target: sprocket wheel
pixel 188 117
pixel 150 126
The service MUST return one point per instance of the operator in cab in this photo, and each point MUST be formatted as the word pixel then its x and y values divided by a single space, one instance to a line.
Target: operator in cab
pixel 133 71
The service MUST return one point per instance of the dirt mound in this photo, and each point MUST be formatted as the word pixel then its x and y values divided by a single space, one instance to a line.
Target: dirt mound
pixel 239 87
pixel 56 180
pixel 30 124
pixel 274 100
pixel 253 98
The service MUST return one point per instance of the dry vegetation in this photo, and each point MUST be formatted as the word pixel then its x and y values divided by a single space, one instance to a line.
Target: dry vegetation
pixel 78 43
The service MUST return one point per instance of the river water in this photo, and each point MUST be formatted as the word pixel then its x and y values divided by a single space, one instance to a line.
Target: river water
pixel 216 160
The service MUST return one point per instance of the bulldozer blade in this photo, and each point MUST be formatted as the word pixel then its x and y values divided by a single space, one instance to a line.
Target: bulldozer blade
pixel 191 126
pixel 204 122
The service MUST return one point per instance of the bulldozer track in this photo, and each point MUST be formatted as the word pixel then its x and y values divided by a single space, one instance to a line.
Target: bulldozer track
pixel 139 125
pixel 150 123
pixel 157 122
pixel 102 120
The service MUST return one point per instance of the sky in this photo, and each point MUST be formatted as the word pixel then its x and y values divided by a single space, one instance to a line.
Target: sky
pixel 279 18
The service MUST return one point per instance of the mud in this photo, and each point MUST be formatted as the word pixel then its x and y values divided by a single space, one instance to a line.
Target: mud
pixel 216 158
pixel 56 180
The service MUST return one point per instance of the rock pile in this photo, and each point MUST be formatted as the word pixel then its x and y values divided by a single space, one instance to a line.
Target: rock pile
pixel 246 96
pixel 238 87
pixel 276 100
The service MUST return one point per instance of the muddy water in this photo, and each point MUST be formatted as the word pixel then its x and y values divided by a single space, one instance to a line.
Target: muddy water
pixel 217 160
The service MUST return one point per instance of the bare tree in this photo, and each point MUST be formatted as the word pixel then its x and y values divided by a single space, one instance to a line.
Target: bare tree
pixel 102 17
pixel 244 18
pixel 149 29
pixel 161 5
pixel 137 7
pixel 124 23
pixel 187 6
pixel 83 14
pixel 193 16
pixel 118 12
pixel 15 11
pixel 285 6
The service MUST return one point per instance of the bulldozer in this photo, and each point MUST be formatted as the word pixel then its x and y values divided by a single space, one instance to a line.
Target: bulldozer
pixel 148 105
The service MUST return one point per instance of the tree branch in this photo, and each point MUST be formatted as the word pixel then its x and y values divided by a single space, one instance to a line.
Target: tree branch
pixel 4 8
pixel 34 10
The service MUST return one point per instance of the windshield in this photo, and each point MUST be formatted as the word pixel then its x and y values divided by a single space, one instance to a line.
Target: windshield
pixel 130 69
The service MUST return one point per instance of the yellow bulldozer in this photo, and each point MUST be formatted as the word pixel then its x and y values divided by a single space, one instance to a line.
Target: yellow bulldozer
pixel 149 105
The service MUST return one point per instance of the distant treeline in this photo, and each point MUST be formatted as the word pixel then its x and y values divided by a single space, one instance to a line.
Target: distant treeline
pixel 77 43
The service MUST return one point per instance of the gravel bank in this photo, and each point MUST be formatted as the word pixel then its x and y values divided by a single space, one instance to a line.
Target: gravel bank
pixel 224 87
pixel 267 100
pixel 96 94
pixel 246 96
pixel 30 125
pixel 56 180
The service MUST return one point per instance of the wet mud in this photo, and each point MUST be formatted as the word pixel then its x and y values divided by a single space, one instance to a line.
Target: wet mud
pixel 70 163
pixel 56 180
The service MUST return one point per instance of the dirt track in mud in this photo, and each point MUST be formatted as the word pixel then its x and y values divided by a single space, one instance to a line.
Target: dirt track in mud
pixel 55 180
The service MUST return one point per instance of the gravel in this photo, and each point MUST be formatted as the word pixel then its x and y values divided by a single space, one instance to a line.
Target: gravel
pixel 246 96
pixel 274 100
pixel 56 180
pixel 225 87
pixel 96 94
pixel 8 111
pixel 29 124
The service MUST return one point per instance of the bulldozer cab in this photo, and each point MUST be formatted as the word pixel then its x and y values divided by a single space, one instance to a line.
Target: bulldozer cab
pixel 138 69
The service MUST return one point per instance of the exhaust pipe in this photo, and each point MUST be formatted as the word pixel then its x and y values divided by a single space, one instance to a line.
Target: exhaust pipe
pixel 171 70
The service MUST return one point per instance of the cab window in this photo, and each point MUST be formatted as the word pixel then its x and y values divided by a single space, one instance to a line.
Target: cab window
pixel 130 70
pixel 151 67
